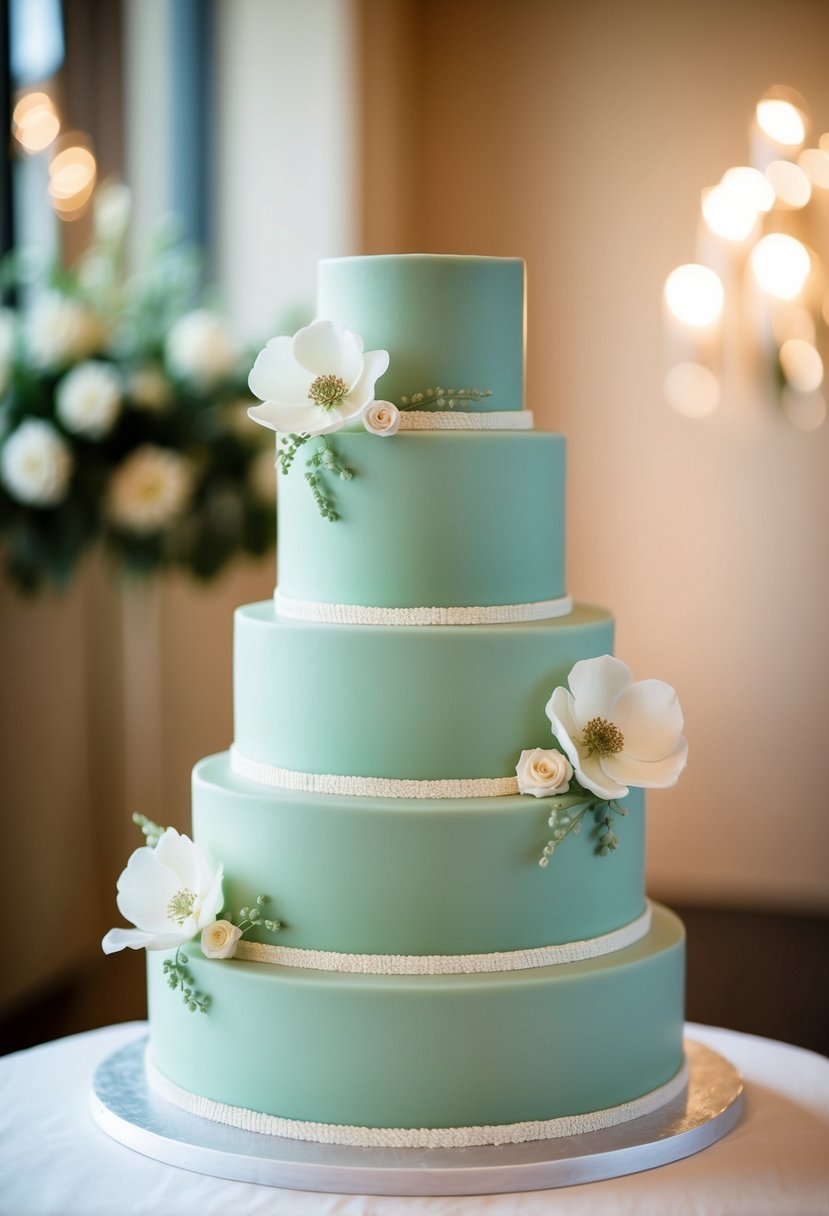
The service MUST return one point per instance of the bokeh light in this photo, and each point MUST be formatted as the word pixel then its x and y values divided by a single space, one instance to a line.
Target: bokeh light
pixel 751 185
pixel 728 213
pixel 806 411
pixel 72 175
pixel 815 164
pixel 791 186
pixel 35 123
pixel 692 390
pixel 694 294
pixel 801 365
pixel 781 265
pixel 781 121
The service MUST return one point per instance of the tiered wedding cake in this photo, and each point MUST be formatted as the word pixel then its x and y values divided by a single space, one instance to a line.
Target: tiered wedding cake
pixel 421 717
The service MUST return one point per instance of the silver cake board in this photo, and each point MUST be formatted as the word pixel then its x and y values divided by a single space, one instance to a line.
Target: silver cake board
pixel 126 1109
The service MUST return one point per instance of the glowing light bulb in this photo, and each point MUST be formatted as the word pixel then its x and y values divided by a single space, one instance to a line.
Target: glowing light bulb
pixel 781 265
pixel 34 122
pixel 751 185
pixel 692 390
pixel 694 294
pixel 801 365
pixel 728 213
pixel 791 186
pixel 781 121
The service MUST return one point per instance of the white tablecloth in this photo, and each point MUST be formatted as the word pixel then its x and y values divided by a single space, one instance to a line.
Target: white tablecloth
pixel 54 1161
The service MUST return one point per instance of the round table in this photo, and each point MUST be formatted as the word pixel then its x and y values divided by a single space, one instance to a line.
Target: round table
pixel 54 1161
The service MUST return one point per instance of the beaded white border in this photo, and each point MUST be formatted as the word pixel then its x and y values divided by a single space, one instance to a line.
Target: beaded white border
pixel 405 1137
pixel 363 614
pixel 447 964
pixel 369 787
pixel 447 420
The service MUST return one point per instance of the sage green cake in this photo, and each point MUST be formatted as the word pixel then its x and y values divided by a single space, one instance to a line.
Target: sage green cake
pixel 430 983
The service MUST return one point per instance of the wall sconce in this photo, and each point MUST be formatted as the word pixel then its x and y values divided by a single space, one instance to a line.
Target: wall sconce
pixel 751 314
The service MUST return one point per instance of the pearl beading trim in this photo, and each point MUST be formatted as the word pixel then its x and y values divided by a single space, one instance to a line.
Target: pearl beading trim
pixel 369 787
pixel 447 420
pixel 362 614
pixel 446 964
pixel 405 1137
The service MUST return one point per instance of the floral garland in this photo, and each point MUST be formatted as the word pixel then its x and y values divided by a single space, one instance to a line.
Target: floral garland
pixel 122 404
pixel 170 894
pixel 612 734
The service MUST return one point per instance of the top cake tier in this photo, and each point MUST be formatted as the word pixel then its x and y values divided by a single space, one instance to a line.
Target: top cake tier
pixel 446 321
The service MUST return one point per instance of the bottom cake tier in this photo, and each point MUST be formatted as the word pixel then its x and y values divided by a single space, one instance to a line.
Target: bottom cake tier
pixel 426 1060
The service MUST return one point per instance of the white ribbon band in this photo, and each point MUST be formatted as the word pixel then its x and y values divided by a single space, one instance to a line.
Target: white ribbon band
pixel 446 964
pixel 448 420
pixel 369 787
pixel 424 1137
pixel 362 614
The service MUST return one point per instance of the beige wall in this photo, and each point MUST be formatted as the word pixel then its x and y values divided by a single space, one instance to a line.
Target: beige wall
pixel 579 136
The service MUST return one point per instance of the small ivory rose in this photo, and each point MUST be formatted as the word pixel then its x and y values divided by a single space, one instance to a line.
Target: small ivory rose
pixel 616 733
pixel 381 418
pixel 543 773
pixel 88 399
pixel 36 464
pixel 315 382
pixel 170 894
pixel 219 939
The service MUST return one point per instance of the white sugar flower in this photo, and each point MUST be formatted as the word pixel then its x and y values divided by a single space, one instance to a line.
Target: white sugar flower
pixel 149 490
pixel 543 773
pixel 381 418
pixel 617 733
pixel 88 399
pixel 8 329
pixel 169 893
pixel 36 464
pixel 315 382
pixel 60 330
pixel 200 350
pixel 219 939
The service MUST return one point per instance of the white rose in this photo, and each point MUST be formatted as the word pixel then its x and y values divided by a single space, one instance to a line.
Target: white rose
pixel 36 464
pixel 169 893
pixel 149 389
pixel 8 328
pixel 200 350
pixel 60 330
pixel 543 773
pixel 88 399
pixel 149 490
pixel 219 939
pixel 381 418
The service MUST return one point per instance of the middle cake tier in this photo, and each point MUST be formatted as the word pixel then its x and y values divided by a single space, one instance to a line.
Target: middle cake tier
pixel 417 704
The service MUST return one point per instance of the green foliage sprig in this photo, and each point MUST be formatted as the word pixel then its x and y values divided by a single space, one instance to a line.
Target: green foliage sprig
pixel 566 817
pixel 443 398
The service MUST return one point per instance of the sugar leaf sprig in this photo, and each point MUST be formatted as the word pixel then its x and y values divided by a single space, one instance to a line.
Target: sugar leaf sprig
pixel 443 398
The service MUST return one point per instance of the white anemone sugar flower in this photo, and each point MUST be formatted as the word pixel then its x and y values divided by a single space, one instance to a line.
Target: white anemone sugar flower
pixel 199 350
pixel 60 330
pixel 36 464
pixel 170 893
pixel 149 490
pixel 618 733
pixel 88 399
pixel 315 382
pixel 8 330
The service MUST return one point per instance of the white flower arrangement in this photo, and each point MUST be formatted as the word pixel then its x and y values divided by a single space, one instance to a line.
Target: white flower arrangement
pixel 97 366
pixel 149 490
pixel 88 399
pixel 171 895
pixel 613 734
pixel 312 385
pixel 36 464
